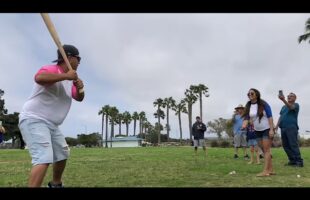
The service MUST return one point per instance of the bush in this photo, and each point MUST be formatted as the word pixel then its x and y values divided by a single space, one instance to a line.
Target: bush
pixel 307 142
pixel 214 143
pixel 304 142
pixel 225 144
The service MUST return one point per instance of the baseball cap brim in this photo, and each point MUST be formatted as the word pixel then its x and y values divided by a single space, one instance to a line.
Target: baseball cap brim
pixel 58 60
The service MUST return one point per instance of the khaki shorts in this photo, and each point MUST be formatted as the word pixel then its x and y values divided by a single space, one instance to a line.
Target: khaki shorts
pixel 240 140
pixel 200 142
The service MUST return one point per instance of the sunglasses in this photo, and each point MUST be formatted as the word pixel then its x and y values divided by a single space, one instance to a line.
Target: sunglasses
pixel 251 94
pixel 78 58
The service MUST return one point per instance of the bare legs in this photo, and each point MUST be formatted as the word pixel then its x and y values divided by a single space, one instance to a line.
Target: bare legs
pixel 266 144
pixel 58 169
pixel 38 173
pixel 252 149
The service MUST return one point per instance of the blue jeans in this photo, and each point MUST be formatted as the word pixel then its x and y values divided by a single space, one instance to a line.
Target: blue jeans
pixel 290 145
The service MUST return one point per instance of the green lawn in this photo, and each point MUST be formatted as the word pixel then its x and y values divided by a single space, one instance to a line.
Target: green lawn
pixel 157 167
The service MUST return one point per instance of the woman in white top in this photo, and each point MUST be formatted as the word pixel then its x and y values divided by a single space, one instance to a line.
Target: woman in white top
pixel 260 113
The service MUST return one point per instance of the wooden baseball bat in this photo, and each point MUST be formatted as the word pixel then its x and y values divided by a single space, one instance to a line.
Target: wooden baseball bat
pixel 51 28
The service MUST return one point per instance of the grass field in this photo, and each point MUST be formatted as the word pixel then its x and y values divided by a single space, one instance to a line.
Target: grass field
pixel 157 167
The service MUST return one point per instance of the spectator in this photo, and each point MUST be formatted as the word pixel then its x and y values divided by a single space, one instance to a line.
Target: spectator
pixel 198 132
pixel 239 134
pixel 260 113
pixel 252 142
pixel 288 122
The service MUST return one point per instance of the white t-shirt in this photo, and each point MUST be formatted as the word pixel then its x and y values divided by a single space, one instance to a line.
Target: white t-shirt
pixel 263 124
pixel 50 103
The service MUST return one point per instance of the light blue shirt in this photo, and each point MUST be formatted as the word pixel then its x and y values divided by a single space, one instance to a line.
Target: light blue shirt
pixel 238 124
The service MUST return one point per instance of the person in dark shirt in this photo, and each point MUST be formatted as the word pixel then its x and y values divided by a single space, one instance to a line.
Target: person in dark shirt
pixel 198 130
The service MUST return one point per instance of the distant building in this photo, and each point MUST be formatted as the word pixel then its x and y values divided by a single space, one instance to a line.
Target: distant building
pixel 304 135
pixel 130 141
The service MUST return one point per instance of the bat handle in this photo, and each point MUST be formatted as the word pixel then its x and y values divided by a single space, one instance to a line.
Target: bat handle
pixel 81 90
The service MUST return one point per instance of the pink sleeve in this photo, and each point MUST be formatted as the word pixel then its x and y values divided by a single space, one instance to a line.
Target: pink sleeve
pixel 52 69
pixel 74 91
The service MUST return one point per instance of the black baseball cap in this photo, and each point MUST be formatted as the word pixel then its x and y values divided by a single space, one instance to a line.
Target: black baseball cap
pixel 70 50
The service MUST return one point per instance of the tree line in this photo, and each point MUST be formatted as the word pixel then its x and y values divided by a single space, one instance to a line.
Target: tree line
pixel 111 116
pixel 10 122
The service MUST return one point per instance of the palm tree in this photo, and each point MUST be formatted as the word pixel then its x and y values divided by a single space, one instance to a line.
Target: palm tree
pixel 141 119
pixel 146 125
pixel 144 119
pixel 135 117
pixel 306 35
pixel 126 120
pixel 168 103
pixel 158 103
pixel 159 114
pixel 119 119
pixel 190 99
pixel 105 111
pixel 101 112
pixel 113 115
pixel 180 108
pixel 200 90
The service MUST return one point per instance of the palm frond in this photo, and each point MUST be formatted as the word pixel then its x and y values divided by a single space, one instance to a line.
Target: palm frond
pixel 308 21
pixel 307 28
pixel 304 37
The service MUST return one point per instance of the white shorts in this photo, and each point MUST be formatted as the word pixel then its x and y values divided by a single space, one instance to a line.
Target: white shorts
pixel 46 144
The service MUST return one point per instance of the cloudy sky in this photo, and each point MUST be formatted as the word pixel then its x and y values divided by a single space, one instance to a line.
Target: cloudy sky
pixel 129 60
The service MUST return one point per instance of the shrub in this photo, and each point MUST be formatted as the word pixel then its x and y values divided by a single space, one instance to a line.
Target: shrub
pixel 214 143
pixel 301 142
pixel 307 142
pixel 304 142
pixel 225 144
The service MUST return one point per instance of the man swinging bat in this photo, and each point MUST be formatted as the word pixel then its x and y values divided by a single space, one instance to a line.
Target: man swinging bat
pixel 47 107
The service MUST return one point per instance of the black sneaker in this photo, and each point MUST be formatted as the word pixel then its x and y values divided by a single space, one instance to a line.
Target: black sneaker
pixel 51 185
pixel 299 165
pixel 236 156
pixel 246 157
pixel 261 156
